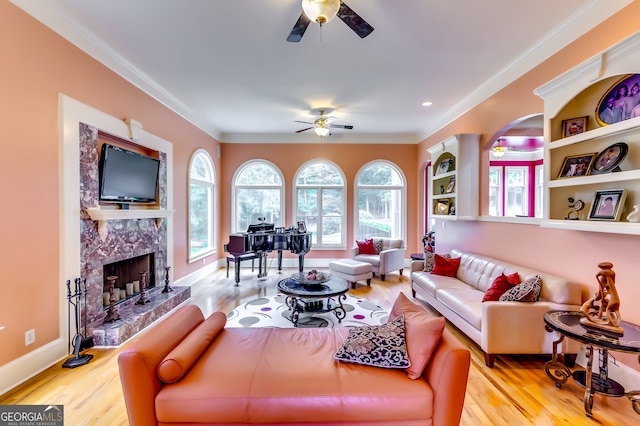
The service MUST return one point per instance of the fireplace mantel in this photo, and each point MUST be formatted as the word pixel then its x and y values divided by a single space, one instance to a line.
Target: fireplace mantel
pixel 102 216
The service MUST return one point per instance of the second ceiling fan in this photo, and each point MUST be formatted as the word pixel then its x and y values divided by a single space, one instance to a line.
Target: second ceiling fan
pixel 323 124
pixel 321 12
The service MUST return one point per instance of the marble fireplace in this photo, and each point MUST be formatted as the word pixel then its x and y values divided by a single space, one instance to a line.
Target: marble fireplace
pixel 104 243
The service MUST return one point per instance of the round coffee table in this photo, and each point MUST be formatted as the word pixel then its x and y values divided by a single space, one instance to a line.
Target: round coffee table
pixel 303 296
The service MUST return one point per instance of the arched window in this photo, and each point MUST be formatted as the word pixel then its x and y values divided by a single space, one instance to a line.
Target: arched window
pixel 320 203
pixel 258 192
pixel 201 207
pixel 381 201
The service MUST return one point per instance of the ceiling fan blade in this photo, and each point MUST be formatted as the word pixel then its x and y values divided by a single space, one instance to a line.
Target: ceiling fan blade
pixel 303 130
pixel 341 126
pixel 305 122
pixel 299 28
pixel 354 21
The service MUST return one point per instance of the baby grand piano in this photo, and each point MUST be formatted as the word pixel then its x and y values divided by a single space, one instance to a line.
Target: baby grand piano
pixel 261 239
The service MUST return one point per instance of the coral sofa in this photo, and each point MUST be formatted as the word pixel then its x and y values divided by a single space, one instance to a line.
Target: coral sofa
pixel 387 255
pixel 498 327
pixel 212 375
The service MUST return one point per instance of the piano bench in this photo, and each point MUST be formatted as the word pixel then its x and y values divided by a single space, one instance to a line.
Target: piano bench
pixel 237 259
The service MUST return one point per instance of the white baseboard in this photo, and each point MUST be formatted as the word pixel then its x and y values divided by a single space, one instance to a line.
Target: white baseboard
pixel 22 369
pixel 621 373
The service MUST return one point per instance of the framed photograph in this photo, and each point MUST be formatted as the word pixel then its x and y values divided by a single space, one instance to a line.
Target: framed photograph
pixel 442 207
pixel 574 126
pixel 609 159
pixel 620 101
pixel 608 204
pixel 302 228
pixel 576 165
pixel 452 185
pixel 444 166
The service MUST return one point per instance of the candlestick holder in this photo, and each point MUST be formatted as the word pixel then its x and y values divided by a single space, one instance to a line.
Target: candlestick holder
pixel 167 288
pixel 143 286
pixel 112 315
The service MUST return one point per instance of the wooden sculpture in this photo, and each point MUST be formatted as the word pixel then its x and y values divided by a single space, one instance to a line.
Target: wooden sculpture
pixel 602 310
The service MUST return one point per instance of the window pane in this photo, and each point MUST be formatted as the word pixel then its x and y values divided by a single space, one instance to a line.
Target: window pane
pixel 259 174
pixel 379 174
pixel 255 203
pixel 495 191
pixel 331 230
pixel 516 191
pixel 199 168
pixel 199 222
pixel 319 174
pixel 379 213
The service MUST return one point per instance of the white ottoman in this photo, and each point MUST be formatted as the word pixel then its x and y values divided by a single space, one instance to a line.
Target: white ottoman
pixel 351 270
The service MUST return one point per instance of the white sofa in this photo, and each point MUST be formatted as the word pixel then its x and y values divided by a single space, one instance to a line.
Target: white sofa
pixel 500 327
pixel 389 258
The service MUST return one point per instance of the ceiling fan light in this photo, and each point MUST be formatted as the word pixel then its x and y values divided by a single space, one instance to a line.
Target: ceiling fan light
pixel 321 131
pixel 321 11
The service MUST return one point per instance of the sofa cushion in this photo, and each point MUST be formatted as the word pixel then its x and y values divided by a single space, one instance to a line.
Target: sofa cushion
pixel 528 291
pixel 376 345
pixel 465 301
pixel 423 332
pixel 445 266
pixel 377 245
pixel 366 247
pixel 500 285
pixel 432 283
pixel 262 375
pixel 178 362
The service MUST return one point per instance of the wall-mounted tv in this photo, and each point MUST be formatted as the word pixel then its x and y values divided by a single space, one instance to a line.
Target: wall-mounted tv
pixel 127 177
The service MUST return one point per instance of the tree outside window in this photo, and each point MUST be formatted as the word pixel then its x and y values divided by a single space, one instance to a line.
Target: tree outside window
pixel 201 208
pixel 258 193
pixel 320 203
pixel 380 195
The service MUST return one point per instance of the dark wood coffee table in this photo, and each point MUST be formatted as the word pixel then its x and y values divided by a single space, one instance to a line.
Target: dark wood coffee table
pixel 324 296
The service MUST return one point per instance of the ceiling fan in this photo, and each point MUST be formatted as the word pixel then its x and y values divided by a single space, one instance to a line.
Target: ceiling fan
pixel 323 124
pixel 321 12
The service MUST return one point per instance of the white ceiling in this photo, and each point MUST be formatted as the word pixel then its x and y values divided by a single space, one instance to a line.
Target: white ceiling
pixel 226 65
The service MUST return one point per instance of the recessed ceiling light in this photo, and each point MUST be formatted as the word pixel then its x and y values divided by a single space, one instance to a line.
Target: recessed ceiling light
pixel 427 103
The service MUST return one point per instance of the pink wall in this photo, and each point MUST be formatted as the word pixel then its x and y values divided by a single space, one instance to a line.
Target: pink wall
pixel 37 66
pixel 350 158
pixel 571 254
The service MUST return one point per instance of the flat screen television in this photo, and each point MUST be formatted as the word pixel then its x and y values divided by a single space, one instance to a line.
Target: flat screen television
pixel 127 177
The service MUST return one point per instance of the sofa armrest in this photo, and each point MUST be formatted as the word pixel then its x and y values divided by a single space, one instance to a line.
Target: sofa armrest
pixel 447 373
pixel 391 260
pixel 354 252
pixel 417 265
pixel 138 363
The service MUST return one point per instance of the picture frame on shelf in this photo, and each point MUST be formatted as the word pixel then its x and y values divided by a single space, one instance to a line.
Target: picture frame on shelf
pixel 574 126
pixel 608 205
pixel 444 166
pixel 616 104
pixel 452 185
pixel 576 165
pixel 442 207
pixel 609 159
pixel 302 227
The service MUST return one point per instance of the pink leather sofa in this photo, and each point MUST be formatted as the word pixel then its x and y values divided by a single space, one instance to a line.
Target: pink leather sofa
pixel 214 375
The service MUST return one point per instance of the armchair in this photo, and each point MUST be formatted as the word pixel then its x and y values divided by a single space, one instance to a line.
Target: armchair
pixel 388 257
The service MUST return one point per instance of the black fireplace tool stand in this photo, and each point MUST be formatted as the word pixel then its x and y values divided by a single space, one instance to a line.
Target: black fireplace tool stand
pixel 76 300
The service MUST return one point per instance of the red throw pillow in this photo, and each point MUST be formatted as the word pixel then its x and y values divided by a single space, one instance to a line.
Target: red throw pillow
pixel 501 285
pixel 366 247
pixel 445 266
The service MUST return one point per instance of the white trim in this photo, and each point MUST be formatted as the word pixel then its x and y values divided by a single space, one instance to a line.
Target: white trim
pixel 214 229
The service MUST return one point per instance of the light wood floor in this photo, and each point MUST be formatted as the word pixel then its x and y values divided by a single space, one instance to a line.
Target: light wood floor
pixel 515 392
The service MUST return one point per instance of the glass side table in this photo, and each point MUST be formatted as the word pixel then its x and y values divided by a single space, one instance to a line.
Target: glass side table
pixel 567 323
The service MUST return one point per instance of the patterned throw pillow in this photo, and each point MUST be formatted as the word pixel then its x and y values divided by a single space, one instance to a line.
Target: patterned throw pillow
pixel 430 261
pixel 527 291
pixel 376 345
pixel 377 245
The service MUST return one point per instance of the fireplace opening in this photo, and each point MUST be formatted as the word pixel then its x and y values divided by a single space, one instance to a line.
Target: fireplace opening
pixel 128 282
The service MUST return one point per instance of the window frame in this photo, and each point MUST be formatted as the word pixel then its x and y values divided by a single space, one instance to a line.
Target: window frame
pixel 318 245
pixel 211 185
pixel 403 193
pixel 235 187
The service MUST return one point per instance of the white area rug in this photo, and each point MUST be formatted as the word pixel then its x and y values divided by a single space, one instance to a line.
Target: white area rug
pixel 273 312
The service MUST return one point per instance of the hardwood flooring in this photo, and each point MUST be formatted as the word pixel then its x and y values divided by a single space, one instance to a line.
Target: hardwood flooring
pixel 515 392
